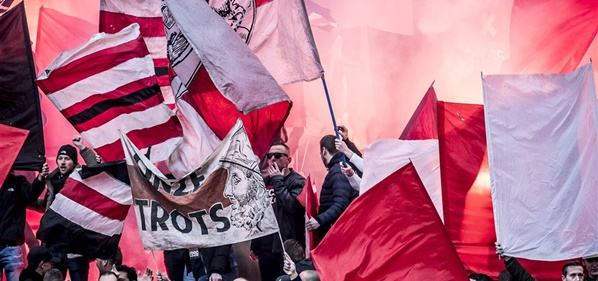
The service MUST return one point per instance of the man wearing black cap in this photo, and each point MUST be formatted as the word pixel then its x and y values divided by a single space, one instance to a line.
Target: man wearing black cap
pixel 40 261
pixel 67 161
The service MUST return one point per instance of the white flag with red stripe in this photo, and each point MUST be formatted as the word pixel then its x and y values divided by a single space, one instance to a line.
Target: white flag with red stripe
pixel 109 84
pixel 87 216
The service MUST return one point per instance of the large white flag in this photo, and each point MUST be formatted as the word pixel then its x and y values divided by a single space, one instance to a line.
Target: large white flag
pixel 224 201
pixel 543 156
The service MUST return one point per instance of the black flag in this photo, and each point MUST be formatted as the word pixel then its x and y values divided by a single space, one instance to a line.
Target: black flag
pixel 19 97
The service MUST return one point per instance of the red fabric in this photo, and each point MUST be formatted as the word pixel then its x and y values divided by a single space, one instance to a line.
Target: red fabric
pixel 308 199
pixel 11 141
pixel 391 232
pixel 52 24
pixel 220 114
pixel 550 36
pixel 423 122
pixel 467 202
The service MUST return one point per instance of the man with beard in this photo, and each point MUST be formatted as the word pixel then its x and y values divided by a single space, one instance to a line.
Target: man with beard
pixel 67 161
pixel 336 193
pixel 287 184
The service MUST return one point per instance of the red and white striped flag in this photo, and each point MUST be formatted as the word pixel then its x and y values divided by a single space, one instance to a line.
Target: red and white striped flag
pixel 118 14
pixel 87 216
pixel 108 84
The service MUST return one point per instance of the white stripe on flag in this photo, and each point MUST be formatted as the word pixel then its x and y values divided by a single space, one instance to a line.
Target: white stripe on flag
pixel 156 46
pixel 103 82
pixel 108 132
pixel 85 217
pixel 138 8
pixel 108 186
pixel 167 94
pixel 98 42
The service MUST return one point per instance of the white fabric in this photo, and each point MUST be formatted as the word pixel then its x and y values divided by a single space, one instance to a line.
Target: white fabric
pixel 357 161
pixel 199 141
pixel 283 42
pixel 138 8
pixel 108 132
pixel 65 98
pixel 98 42
pixel 86 217
pixel 183 18
pixel 543 159
pixel 104 184
pixel 384 157
pixel 355 181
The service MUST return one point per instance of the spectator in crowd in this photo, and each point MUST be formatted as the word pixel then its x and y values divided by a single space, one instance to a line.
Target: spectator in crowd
pixel 296 253
pixel 39 262
pixel 67 161
pixel 287 184
pixel 177 264
pixel 105 265
pixel 53 275
pixel 126 273
pixel 212 264
pixel 336 193
pixel 591 264
pixel 15 194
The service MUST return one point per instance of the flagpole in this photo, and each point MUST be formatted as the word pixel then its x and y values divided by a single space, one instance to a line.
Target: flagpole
pixel 307 204
pixel 332 113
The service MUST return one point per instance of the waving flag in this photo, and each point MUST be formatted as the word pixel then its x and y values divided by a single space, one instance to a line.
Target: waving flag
pixel 11 141
pixel 88 214
pixel 19 97
pixel 391 232
pixel 223 201
pixel 218 91
pixel 543 154
pixel 109 84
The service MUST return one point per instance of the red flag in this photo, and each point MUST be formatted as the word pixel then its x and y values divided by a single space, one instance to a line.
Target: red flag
pixel 12 139
pixel 550 36
pixel 468 213
pixel 391 232
pixel 423 122
pixel 308 199
pixel 53 24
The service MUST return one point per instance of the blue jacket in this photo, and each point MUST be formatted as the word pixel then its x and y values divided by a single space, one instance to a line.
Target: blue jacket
pixel 335 196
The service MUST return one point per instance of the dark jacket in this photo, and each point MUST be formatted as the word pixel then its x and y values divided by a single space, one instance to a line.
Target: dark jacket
pixel 588 278
pixel 210 260
pixel 290 214
pixel 15 194
pixel 29 274
pixel 55 182
pixel 335 196
pixel 517 271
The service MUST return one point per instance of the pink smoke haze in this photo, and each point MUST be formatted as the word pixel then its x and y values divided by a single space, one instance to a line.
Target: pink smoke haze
pixel 380 57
